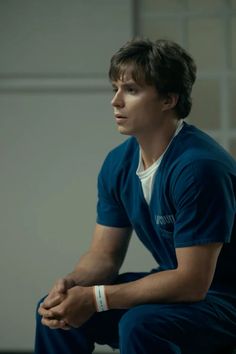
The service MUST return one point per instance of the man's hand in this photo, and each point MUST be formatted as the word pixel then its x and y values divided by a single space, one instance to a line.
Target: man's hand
pixel 76 308
pixel 58 293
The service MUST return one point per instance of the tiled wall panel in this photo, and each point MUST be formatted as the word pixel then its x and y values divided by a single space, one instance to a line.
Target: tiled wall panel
pixel 207 29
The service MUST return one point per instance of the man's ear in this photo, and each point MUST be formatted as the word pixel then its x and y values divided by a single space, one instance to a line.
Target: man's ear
pixel 170 100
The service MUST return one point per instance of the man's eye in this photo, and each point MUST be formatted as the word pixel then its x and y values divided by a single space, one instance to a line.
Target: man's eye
pixel 131 89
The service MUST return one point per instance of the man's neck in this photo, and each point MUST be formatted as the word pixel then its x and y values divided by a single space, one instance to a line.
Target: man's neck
pixel 154 144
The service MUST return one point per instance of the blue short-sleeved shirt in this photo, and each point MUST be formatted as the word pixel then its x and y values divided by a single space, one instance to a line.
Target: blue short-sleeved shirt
pixel 192 203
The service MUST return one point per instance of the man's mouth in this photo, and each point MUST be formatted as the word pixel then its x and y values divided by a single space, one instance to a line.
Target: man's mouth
pixel 119 116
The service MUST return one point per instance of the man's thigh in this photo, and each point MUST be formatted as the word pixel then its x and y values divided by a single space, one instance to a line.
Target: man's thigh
pixel 198 327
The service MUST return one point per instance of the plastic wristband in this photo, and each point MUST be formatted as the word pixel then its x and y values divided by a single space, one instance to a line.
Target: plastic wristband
pixel 100 298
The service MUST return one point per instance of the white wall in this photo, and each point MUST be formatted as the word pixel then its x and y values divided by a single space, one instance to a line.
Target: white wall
pixel 207 29
pixel 56 126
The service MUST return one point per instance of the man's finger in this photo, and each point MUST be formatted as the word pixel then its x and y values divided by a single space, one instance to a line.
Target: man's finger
pixel 55 324
pixel 53 301
pixel 51 323
pixel 45 313
pixel 64 325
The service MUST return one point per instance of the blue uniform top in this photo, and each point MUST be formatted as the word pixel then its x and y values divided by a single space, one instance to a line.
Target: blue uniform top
pixel 192 203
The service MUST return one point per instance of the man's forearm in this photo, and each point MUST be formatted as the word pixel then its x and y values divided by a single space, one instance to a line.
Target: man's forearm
pixel 167 286
pixel 94 268
pixel 189 282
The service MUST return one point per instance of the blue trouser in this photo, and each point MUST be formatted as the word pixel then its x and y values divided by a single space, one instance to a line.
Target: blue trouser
pixel 203 327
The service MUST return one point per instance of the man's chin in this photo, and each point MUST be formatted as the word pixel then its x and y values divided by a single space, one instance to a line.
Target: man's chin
pixel 124 131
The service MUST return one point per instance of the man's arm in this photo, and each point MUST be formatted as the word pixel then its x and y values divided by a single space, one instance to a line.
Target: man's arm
pixel 189 282
pixel 73 293
pixel 101 264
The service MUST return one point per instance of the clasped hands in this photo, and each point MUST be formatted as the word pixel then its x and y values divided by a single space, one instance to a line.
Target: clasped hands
pixel 67 305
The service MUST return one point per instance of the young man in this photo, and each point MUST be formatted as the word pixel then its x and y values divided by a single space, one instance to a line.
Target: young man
pixel 175 187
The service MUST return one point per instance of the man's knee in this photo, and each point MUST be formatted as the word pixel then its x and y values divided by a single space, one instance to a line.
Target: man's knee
pixel 158 319
pixel 134 321
pixel 38 316
pixel 141 328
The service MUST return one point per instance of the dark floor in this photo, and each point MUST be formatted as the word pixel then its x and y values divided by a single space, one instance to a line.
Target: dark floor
pixel 112 352
pixel 20 352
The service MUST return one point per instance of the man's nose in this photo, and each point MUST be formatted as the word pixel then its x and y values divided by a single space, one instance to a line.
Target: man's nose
pixel 117 100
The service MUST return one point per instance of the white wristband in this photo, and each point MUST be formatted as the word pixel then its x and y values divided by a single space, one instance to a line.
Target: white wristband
pixel 100 298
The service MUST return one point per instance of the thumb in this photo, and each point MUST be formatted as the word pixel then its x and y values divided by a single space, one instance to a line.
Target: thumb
pixel 61 286
pixel 52 301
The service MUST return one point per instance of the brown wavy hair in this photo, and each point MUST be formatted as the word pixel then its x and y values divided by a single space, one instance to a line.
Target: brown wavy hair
pixel 162 63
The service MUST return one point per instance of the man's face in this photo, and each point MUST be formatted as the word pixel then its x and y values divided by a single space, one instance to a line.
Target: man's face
pixel 137 107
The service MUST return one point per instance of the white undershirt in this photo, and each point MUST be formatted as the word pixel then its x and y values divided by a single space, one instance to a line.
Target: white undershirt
pixel 147 176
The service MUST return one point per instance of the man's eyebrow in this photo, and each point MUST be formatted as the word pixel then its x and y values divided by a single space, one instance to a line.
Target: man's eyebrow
pixel 126 84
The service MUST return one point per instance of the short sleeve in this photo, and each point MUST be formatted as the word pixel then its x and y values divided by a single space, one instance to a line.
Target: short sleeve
pixel 205 204
pixel 110 209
